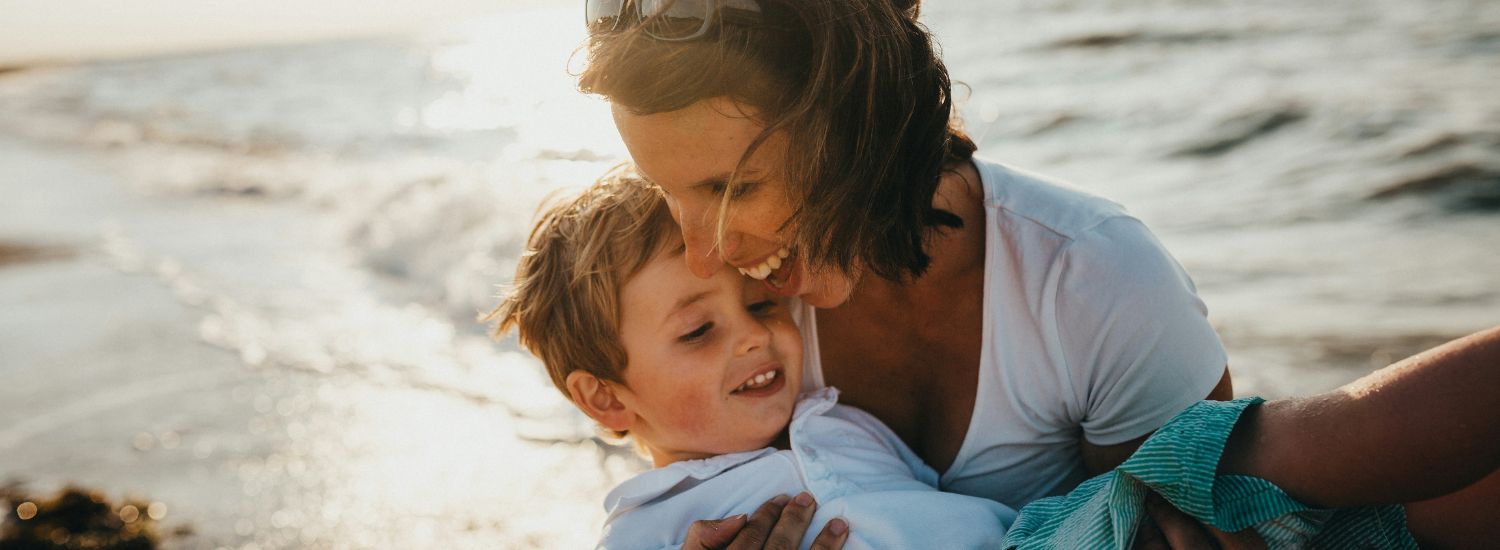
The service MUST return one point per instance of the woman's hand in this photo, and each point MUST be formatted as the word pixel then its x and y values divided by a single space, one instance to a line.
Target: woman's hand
pixel 1165 527
pixel 779 524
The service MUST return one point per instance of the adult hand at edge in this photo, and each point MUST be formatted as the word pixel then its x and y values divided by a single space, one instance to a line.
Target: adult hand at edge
pixel 1165 527
pixel 779 524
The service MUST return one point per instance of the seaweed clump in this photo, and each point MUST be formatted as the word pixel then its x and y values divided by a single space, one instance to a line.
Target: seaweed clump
pixel 74 518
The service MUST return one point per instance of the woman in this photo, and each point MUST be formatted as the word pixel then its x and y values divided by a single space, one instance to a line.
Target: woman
pixel 1020 336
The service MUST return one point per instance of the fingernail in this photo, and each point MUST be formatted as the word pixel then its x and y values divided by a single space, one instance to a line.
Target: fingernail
pixel 838 527
pixel 729 519
pixel 804 499
pixel 781 500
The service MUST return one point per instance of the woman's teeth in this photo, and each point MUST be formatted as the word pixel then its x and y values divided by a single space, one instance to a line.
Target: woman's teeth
pixel 759 381
pixel 772 263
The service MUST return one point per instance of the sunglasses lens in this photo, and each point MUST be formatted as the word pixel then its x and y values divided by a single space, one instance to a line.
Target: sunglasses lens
pixel 676 19
pixel 602 12
pixel 676 9
pixel 666 19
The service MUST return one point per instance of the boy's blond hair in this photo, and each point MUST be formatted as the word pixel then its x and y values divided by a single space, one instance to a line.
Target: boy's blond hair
pixel 565 299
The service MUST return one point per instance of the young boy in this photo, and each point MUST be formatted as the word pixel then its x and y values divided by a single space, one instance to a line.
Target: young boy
pixel 704 375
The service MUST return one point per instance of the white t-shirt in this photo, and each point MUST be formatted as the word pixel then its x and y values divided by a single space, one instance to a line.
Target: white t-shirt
pixel 1091 330
pixel 853 465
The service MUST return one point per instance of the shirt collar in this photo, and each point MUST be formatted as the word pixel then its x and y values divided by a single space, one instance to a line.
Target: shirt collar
pixel 651 484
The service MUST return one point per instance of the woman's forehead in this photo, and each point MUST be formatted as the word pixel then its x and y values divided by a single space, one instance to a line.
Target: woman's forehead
pixel 697 145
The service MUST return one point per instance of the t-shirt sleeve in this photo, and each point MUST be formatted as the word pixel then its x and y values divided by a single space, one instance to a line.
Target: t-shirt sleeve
pixel 1134 336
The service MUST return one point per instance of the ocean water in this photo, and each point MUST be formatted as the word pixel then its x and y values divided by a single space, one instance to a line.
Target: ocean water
pixel 266 317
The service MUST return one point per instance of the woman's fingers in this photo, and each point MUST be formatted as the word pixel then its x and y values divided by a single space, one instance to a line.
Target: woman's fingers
pixel 1148 537
pixel 1247 539
pixel 779 524
pixel 758 530
pixel 713 534
pixel 833 536
pixel 795 518
pixel 1180 530
pixel 1176 530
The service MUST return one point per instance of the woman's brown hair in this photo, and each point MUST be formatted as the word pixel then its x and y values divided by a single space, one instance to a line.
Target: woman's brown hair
pixel 858 90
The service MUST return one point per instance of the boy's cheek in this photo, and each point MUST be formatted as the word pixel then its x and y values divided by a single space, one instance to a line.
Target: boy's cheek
pixel 691 413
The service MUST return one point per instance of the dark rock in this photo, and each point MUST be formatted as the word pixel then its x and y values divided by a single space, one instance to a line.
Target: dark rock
pixel 74 518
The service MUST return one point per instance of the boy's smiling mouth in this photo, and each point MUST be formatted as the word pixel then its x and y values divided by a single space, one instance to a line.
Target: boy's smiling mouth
pixel 762 384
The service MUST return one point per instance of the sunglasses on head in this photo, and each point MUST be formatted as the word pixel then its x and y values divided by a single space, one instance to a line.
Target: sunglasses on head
pixel 670 20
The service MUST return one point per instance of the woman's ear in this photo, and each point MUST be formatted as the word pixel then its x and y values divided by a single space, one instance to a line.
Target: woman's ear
pixel 598 400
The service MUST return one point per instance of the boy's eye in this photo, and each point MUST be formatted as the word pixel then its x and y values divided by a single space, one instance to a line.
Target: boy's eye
pixel 697 333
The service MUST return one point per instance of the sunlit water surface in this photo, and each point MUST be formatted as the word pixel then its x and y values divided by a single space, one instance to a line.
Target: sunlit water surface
pixel 297 239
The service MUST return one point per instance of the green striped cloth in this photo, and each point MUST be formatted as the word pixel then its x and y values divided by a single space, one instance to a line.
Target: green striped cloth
pixel 1179 463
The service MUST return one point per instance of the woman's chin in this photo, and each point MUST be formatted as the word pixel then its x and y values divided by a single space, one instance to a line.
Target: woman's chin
pixel 823 290
pixel 828 291
pixel 825 300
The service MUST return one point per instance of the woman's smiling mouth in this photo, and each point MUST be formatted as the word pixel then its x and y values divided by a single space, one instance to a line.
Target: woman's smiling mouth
pixel 762 270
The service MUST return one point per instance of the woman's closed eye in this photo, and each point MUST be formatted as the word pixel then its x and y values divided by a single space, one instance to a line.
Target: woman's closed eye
pixel 740 191
pixel 697 334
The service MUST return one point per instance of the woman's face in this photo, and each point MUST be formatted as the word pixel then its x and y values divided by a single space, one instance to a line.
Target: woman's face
pixel 690 153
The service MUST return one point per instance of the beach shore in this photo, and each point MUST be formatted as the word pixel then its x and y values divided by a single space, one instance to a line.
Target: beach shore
pixel 116 374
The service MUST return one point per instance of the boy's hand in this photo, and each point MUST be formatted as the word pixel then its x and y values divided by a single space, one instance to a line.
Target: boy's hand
pixel 779 524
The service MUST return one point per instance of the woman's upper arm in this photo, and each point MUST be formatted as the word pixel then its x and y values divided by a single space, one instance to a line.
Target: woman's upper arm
pixel 1103 458
pixel 1133 333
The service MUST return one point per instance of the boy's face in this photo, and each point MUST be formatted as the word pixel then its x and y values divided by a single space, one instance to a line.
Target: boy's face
pixel 714 365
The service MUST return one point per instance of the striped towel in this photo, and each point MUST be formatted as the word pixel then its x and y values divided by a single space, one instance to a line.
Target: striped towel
pixel 1179 463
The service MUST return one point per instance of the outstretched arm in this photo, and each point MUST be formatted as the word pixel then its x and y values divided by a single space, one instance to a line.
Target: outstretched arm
pixel 1419 429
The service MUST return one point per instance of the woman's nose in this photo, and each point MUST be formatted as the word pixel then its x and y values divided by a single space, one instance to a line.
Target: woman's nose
pixel 698 229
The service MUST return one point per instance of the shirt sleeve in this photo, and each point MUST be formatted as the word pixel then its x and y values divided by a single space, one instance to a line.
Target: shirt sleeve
pixel 1134 336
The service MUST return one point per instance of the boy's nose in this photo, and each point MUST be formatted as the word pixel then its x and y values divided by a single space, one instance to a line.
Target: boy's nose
pixel 755 337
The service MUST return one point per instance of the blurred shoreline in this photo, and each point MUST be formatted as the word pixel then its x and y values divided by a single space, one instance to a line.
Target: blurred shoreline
pixel 71 31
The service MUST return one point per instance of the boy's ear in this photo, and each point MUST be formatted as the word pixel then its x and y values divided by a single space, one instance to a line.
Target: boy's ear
pixel 598 400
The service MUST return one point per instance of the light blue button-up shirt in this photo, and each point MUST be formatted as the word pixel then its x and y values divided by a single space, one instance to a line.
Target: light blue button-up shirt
pixel 855 466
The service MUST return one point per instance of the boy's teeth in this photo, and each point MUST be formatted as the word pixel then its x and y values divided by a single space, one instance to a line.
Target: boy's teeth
pixel 764 269
pixel 759 381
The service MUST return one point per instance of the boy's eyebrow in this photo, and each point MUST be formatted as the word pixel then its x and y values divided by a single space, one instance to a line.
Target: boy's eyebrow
pixel 687 301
